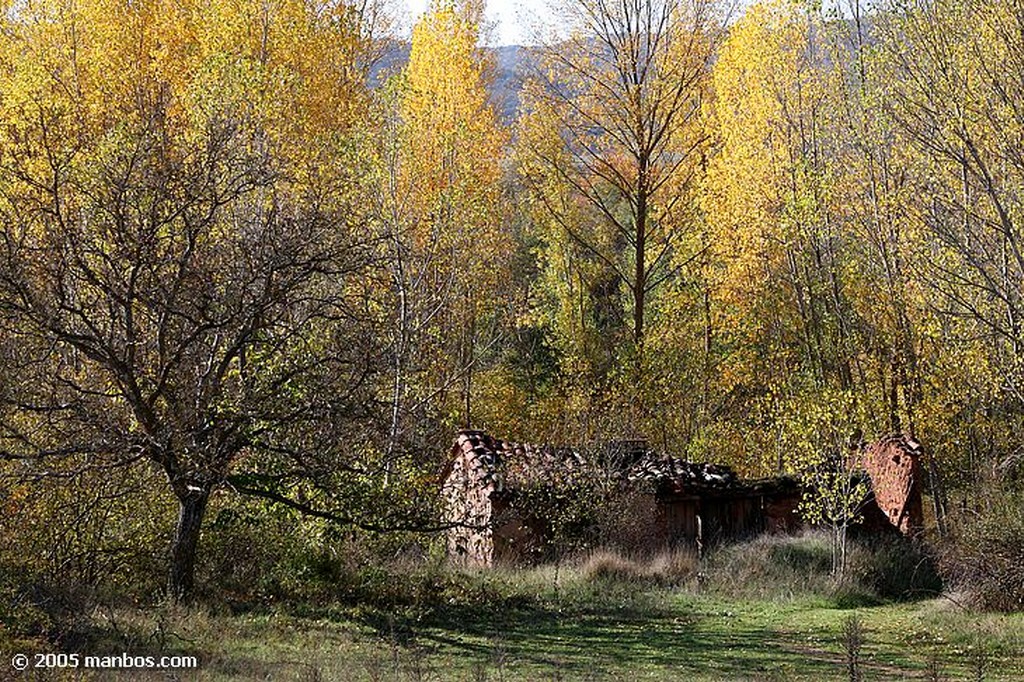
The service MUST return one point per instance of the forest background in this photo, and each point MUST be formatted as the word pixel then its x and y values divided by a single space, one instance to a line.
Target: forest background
pixel 252 281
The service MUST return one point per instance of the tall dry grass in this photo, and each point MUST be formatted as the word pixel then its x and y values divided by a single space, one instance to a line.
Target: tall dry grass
pixel 669 568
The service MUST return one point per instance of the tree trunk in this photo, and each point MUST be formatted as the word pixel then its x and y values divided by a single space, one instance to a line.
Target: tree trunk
pixel 938 496
pixel 640 276
pixel 191 510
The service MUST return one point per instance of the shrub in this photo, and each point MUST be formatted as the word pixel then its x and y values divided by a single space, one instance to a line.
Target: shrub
pixel 896 568
pixel 69 544
pixel 20 612
pixel 609 565
pixel 675 567
pixel 985 558
pixel 773 566
pixel 853 642
pixel 786 566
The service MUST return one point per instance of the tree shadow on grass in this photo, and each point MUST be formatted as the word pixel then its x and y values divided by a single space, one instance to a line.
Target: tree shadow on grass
pixel 579 642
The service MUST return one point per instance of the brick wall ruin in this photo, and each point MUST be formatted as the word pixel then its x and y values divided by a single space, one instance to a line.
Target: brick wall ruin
pixel 893 464
pixel 678 498
pixel 479 483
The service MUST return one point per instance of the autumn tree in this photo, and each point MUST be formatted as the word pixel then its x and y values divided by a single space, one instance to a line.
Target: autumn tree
pixel 762 200
pixel 440 201
pixel 610 140
pixel 906 371
pixel 959 108
pixel 954 99
pixel 175 265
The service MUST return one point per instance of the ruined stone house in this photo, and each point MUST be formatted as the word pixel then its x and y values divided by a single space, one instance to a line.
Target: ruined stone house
pixel 480 484
pixel 679 502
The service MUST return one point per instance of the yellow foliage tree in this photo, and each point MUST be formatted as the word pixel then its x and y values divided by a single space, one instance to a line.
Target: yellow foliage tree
pixel 777 258
pixel 611 142
pixel 445 217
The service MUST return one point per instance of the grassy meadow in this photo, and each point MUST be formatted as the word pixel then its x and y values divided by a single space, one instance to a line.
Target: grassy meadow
pixel 764 610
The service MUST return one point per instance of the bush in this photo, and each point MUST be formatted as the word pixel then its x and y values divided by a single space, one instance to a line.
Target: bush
pixel 773 566
pixel 896 568
pixel 248 553
pixel 985 557
pixel 69 544
pixel 786 566
pixel 607 565
pixel 20 612
pixel 674 567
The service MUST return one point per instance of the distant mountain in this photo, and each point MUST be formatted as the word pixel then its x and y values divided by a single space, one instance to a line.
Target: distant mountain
pixel 510 63
pixel 394 56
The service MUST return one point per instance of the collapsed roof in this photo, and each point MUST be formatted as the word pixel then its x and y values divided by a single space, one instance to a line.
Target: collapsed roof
pixel 508 465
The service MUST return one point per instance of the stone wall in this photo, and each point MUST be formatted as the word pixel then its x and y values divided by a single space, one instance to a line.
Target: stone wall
pixel 472 481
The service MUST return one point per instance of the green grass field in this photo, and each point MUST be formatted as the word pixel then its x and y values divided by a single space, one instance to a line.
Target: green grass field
pixel 765 612
pixel 680 637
